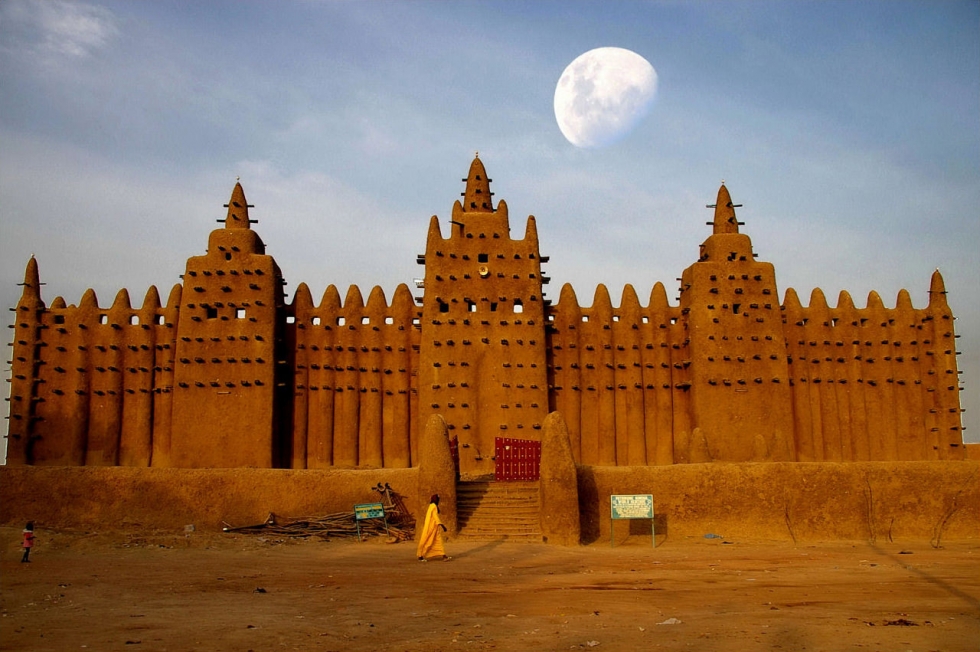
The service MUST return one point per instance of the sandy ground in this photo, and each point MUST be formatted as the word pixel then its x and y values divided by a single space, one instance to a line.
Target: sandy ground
pixel 213 591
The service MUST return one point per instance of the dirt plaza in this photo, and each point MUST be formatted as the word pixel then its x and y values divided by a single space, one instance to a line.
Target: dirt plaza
pixel 137 590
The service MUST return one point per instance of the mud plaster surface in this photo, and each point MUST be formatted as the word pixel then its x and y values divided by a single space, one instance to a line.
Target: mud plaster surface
pixel 164 590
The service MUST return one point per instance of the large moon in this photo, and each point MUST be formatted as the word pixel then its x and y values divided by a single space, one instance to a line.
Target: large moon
pixel 602 95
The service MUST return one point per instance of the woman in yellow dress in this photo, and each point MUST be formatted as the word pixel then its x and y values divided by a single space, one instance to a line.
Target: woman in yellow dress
pixel 430 539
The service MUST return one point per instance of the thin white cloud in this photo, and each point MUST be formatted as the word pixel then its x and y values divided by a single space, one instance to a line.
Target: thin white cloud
pixel 56 28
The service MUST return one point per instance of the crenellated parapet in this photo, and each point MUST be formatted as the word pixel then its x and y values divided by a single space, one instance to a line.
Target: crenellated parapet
pixel 99 377
pixel 620 377
pixel 874 383
pixel 353 390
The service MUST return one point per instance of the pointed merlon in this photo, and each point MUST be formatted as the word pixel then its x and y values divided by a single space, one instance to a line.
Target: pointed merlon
pixel 376 300
pixel 330 301
pixel 173 299
pixel 121 302
pixel 567 298
pixel 89 300
pixel 477 197
pixel 658 298
pixel 354 300
pixel 791 303
pixel 725 220
pixel 302 300
pixel 903 303
pixel 237 217
pixel 531 230
pixel 845 302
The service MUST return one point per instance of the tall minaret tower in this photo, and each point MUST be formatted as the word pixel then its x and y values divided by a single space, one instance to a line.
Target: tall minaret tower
pixel 740 395
pixel 229 362
pixel 482 354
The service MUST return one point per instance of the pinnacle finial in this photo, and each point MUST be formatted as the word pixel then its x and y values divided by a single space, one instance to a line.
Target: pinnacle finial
pixel 725 220
pixel 477 198
pixel 32 284
pixel 237 217
pixel 937 290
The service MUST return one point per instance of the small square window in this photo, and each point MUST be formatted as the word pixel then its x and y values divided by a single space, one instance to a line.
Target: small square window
pixel 365 320
pixel 239 313
pixel 211 313
pixel 316 321
pixel 290 319
pixel 103 319
pixel 483 258
pixel 389 320
pixel 341 321
pixel 134 320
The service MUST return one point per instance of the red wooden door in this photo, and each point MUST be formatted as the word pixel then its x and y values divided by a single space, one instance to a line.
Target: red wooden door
pixel 516 460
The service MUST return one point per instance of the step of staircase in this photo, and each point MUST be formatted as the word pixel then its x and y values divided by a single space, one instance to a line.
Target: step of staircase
pixel 498 510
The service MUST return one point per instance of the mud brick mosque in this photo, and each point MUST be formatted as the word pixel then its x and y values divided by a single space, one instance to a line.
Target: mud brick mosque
pixel 225 373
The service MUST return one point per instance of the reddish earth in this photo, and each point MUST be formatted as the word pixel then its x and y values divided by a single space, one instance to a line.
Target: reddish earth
pixel 204 591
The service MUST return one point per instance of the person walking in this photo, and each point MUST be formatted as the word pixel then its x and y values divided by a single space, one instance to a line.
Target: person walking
pixel 430 539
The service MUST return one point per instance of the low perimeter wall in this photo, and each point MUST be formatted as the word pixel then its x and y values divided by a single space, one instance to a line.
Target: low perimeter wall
pixel 864 501
pixel 123 497
pixel 876 501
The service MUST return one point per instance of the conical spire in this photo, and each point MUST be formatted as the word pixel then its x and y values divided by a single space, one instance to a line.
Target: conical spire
pixel 725 220
pixel 477 198
pixel 237 217
pixel 937 291
pixel 30 298
pixel 32 280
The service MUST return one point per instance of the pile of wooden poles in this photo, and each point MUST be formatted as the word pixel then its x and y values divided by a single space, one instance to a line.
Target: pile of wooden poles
pixel 401 524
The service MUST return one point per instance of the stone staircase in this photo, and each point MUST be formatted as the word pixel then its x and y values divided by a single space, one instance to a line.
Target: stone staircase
pixel 490 511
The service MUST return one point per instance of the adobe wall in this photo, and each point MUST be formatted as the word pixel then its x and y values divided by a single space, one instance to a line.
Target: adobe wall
pixel 353 386
pixel 906 501
pixel 120 498
pixel 226 374
pixel 865 501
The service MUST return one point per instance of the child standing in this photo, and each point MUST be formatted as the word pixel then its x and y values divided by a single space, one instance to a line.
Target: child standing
pixel 28 541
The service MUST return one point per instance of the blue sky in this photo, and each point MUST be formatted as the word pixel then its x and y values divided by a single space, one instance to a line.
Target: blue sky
pixel 850 131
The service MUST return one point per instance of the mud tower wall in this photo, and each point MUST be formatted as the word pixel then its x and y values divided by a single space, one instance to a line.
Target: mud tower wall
pixel 740 396
pixel 230 360
pixel 482 361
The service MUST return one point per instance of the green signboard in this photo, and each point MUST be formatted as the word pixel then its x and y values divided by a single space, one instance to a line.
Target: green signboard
pixel 369 510
pixel 366 511
pixel 629 506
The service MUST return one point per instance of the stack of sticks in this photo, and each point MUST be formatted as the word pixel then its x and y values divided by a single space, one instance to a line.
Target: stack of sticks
pixel 401 524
